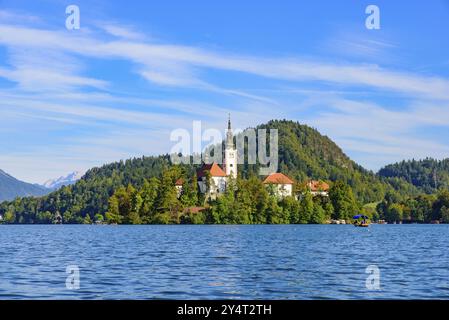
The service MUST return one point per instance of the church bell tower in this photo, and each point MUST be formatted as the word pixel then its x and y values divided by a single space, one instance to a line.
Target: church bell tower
pixel 230 154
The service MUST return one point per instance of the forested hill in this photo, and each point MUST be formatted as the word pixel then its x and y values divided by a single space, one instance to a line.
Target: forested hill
pixel 428 175
pixel 303 153
pixel 306 154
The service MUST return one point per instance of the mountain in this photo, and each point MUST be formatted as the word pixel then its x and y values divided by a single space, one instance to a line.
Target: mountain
pixel 11 188
pixel 306 154
pixel 428 174
pixel 303 154
pixel 69 179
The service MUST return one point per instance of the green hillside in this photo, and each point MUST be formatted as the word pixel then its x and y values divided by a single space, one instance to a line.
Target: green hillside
pixel 428 175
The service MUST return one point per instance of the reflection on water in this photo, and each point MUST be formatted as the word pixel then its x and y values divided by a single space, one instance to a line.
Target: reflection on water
pixel 224 262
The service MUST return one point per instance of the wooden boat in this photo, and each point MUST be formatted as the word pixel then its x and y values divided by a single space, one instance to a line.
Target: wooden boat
pixel 364 223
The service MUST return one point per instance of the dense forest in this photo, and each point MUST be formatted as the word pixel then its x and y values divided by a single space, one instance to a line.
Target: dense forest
pixel 426 208
pixel 141 190
pixel 429 175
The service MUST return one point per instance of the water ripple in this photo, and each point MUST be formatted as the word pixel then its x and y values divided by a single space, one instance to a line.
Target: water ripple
pixel 224 262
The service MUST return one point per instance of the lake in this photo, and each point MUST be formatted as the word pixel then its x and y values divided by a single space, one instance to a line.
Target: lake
pixel 224 262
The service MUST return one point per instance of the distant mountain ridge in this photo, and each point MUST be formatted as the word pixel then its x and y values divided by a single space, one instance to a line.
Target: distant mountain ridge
pixel 67 180
pixel 11 188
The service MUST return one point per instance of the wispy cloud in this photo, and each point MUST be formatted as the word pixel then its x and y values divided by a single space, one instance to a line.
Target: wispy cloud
pixel 175 65
pixel 378 132
pixel 121 31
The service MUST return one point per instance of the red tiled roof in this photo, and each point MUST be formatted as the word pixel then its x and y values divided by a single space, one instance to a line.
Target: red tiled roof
pixel 194 209
pixel 213 168
pixel 179 182
pixel 318 185
pixel 277 178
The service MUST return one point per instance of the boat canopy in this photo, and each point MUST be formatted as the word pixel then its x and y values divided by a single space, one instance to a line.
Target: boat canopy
pixel 360 216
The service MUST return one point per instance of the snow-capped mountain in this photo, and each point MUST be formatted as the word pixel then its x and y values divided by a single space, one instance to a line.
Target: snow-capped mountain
pixel 71 178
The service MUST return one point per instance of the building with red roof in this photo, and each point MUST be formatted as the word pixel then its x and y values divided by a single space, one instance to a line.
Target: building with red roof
pixel 280 184
pixel 218 179
pixel 219 175
pixel 318 188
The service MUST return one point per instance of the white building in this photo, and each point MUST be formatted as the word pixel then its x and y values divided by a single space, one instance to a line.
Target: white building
pixel 282 185
pixel 218 180
pixel 178 185
pixel 230 153
pixel 318 188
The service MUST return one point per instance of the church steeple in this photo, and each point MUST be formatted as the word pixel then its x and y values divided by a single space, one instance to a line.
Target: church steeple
pixel 229 135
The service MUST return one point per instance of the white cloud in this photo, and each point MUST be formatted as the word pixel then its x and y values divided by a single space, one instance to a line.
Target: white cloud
pixel 121 31
pixel 377 134
pixel 181 58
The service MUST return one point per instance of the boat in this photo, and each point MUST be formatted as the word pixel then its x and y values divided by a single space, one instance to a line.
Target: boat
pixel 361 223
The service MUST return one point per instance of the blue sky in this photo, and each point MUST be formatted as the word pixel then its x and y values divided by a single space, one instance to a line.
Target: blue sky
pixel 137 70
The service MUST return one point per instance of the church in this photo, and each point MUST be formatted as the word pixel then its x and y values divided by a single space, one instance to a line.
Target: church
pixel 219 176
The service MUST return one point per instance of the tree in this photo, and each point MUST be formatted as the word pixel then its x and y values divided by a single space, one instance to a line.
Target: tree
pixel 394 212
pixel 148 194
pixel 306 208
pixel 44 217
pixel 441 202
pixel 116 206
pixel 162 218
pixel 343 201
pixel 291 210
pixel 424 208
pixel 87 220
pixel 9 217
pixel 273 211
pixel 319 215
pixel 189 195
pixel 445 214
pixel 167 200
pixel 99 218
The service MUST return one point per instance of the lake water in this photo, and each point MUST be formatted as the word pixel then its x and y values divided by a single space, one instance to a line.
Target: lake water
pixel 224 262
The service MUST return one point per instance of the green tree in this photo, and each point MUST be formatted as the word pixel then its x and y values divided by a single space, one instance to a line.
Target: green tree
pixel 441 202
pixel 9 217
pixel 167 201
pixel 343 201
pixel 394 212
pixel 87 220
pixel 306 208
pixel 274 211
pixel 445 214
pixel 319 215
pixel 291 209
pixel 149 194
pixel 99 218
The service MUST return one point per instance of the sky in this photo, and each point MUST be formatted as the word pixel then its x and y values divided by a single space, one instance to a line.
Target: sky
pixel 135 71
